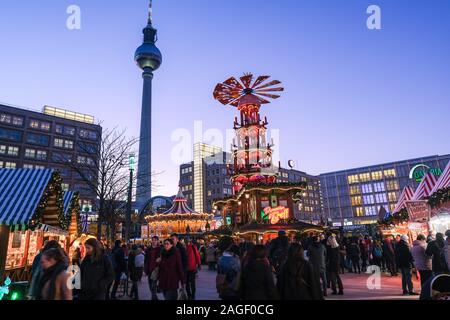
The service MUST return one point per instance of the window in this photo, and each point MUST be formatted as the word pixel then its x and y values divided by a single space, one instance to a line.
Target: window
pixel 371 211
pixel 59 128
pixel 355 190
pixel 369 199
pixel 392 196
pixel 392 185
pixel 353 179
pixel 356 201
pixel 379 187
pixel 377 175
pixel 5 118
pixel 66 130
pixel 41 155
pixel 34 124
pixel 11 135
pixel 391 207
pixel 364 177
pixel 38 139
pixel 39 167
pixel 28 166
pixel 86 148
pixel 2 149
pixel 17 121
pixel 65 186
pixel 45 126
pixel 359 212
pixel 13 151
pixel 10 165
pixel 58 143
pixel 366 188
pixel 381 198
pixel 61 157
pixel 68 144
pixel 391 173
pixel 30 153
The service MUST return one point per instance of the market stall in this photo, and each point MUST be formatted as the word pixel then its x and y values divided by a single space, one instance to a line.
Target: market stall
pixel 439 201
pixel 31 212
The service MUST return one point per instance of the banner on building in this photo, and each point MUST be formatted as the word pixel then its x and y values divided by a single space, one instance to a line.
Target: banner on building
pixel 418 210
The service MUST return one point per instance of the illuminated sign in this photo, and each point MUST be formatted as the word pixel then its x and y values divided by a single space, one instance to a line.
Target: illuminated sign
pixel 419 171
pixel 274 215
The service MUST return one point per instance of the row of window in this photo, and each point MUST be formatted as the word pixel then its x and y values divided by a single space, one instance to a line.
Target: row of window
pixel 9 119
pixel 186 170
pixel 186 188
pixel 371 199
pixel 9 150
pixel 375 187
pixel 371 210
pixel 370 176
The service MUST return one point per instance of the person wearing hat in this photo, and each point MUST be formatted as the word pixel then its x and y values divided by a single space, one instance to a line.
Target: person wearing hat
pixel 405 263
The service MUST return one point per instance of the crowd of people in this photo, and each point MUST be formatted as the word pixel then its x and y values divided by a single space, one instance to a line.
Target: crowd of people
pixel 303 268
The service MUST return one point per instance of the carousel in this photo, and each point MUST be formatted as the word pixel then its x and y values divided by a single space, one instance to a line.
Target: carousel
pixel 180 218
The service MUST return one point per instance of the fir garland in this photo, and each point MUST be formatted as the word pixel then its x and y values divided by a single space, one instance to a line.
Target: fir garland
pixel 396 218
pixel 439 197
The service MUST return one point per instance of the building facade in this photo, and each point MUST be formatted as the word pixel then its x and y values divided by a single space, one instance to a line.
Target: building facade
pixel 355 196
pixel 30 139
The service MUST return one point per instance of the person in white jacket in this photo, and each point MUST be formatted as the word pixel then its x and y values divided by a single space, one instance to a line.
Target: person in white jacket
pixel 422 262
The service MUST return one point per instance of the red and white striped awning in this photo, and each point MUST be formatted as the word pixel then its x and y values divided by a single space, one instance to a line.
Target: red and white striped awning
pixel 406 195
pixel 444 180
pixel 425 187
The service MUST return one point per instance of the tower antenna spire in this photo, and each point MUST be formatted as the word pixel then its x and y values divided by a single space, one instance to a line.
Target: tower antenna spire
pixel 150 13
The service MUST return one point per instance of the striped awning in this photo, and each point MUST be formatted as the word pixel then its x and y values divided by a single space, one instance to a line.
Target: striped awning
pixel 406 195
pixel 21 190
pixel 68 195
pixel 180 205
pixel 444 180
pixel 425 187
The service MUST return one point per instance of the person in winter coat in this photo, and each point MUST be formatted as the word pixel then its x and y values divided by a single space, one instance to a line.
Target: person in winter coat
pixel 171 272
pixel 193 265
pixel 177 244
pixel 36 269
pixel 211 258
pixel 434 250
pixel 278 250
pixel 405 261
pixel 389 255
pixel 96 272
pixel 333 264
pixel 152 258
pixel 119 266
pixel 135 269
pixel 342 258
pixel 422 261
pixel 53 283
pixel 297 279
pixel 228 270
pixel 364 253
pixel 377 253
pixel 446 250
pixel 354 254
pixel 257 281
pixel 317 257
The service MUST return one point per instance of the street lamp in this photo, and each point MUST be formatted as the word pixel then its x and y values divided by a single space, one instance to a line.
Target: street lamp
pixel 131 166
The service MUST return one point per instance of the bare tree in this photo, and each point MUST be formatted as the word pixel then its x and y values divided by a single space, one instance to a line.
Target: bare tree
pixel 105 172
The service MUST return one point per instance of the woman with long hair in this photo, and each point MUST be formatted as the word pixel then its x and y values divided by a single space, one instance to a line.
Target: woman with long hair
pixel 298 280
pixel 96 272
pixel 257 282
pixel 171 272
pixel 53 283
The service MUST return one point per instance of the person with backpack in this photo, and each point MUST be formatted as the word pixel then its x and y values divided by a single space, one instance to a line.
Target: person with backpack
pixel 434 250
pixel 278 250
pixel 377 253
pixel 228 273
pixel 297 279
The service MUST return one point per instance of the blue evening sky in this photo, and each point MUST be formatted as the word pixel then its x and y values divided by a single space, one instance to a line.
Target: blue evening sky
pixel 354 96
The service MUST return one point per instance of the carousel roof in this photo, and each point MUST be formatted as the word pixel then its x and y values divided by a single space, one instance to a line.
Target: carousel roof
pixel 180 205
pixel 21 191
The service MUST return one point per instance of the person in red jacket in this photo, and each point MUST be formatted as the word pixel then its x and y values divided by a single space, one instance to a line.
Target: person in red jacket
pixel 171 272
pixel 152 258
pixel 193 265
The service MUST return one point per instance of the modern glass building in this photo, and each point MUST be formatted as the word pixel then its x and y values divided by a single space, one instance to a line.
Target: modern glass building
pixel 355 196
pixel 30 139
